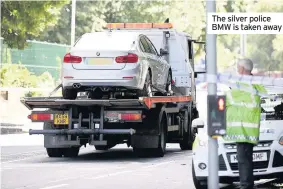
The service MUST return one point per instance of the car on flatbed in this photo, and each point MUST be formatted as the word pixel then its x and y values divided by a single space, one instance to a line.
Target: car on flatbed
pixel 146 124
pixel 115 63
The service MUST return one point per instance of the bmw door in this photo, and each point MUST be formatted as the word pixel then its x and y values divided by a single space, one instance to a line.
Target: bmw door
pixel 161 65
pixel 151 60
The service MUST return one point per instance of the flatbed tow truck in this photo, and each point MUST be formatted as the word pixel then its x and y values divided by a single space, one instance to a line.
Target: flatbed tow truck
pixel 146 124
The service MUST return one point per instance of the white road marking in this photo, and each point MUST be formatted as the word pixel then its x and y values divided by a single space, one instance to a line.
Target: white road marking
pixel 82 151
pixel 67 179
pixel 21 159
pixel 55 186
pixel 23 153
pixel 128 171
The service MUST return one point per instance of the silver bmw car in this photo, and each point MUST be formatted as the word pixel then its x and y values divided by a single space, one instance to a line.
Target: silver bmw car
pixel 115 63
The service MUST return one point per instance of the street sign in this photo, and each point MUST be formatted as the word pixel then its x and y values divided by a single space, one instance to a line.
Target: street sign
pixel 216 115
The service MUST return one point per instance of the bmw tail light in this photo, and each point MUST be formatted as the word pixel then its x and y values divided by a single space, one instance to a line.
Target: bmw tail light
pixel 68 58
pixel 130 58
pixel 281 141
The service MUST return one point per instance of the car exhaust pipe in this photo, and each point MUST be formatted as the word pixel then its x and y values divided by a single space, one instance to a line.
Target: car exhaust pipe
pixel 76 85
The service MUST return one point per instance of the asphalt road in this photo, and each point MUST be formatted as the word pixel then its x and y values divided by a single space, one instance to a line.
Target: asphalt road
pixel 28 167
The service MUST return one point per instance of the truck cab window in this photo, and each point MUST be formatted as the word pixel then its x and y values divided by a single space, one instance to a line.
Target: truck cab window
pixel 190 49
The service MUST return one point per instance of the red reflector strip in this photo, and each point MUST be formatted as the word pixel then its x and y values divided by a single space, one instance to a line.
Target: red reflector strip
pixel 68 77
pixel 149 101
pixel 131 117
pixel 41 117
pixel 128 77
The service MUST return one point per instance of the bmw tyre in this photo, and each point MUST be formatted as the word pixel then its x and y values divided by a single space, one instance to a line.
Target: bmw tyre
pixel 147 88
pixel 69 94
pixel 169 84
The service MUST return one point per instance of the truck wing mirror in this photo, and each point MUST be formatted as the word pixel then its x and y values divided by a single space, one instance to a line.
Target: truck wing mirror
pixel 163 52
pixel 198 123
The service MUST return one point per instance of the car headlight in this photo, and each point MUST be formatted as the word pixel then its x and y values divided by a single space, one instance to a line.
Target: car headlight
pixel 281 141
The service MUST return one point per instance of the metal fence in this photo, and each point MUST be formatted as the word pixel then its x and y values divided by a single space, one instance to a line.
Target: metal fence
pixel 38 57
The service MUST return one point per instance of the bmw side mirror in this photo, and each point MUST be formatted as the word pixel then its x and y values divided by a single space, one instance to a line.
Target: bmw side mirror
pixel 163 52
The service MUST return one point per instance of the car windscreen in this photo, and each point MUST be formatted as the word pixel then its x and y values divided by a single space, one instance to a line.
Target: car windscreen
pixel 106 41
pixel 272 109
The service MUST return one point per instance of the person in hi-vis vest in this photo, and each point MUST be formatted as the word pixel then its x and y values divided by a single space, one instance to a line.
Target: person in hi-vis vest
pixel 243 111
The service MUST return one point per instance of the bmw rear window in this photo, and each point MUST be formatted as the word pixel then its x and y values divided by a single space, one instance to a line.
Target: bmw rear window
pixel 106 41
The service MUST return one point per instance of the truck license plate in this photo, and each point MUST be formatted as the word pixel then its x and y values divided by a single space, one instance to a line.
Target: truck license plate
pixel 256 157
pixel 61 119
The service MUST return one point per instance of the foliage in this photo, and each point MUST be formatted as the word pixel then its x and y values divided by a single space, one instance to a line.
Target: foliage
pixel 187 16
pixel 21 20
pixel 93 16
pixel 17 75
pixel 266 50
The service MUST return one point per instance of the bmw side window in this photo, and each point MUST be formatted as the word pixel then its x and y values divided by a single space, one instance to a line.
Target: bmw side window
pixel 145 45
pixel 152 47
pixel 141 46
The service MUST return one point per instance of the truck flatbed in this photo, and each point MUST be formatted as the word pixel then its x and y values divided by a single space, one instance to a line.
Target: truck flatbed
pixel 59 102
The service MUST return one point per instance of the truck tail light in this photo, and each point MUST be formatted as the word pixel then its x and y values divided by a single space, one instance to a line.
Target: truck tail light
pixel 130 58
pixel 41 117
pixel 117 116
pixel 68 58
pixel 131 117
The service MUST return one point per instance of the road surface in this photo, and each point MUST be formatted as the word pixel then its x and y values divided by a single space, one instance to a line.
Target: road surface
pixel 28 167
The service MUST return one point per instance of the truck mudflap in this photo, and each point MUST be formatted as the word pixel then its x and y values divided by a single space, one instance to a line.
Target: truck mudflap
pixel 82 131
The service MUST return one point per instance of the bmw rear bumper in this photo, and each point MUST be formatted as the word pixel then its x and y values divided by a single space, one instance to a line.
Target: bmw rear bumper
pixel 125 83
pixel 129 77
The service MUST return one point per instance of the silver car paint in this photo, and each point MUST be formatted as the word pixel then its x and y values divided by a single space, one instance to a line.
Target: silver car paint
pixel 113 76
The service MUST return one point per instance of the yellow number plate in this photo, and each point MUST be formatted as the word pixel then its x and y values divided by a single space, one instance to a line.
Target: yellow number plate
pixel 61 119
pixel 99 61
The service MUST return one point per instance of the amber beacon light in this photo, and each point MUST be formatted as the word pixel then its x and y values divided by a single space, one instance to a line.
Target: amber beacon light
pixel 139 25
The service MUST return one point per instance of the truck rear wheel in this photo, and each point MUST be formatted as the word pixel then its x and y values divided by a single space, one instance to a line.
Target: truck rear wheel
pixel 162 139
pixel 71 152
pixel 186 143
pixel 54 152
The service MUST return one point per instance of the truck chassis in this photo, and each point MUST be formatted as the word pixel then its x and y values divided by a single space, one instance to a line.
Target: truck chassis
pixel 146 124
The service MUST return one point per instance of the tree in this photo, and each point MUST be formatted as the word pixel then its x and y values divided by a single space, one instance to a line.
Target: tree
pixel 266 50
pixel 93 16
pixel 21 20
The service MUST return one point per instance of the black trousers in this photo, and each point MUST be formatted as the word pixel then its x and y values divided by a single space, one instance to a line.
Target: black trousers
pixel 245 162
